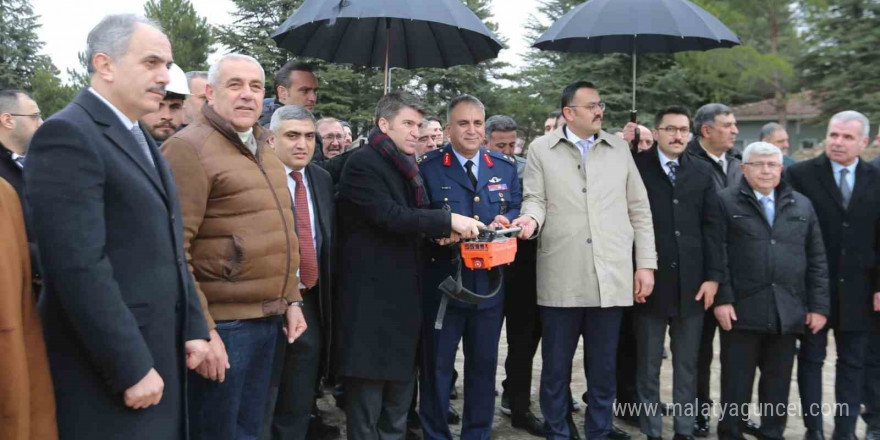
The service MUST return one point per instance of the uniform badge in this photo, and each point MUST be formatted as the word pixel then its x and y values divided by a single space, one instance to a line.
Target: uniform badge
pixel 447 159
pixel 497 187
pixel 488 159
pixel 495 179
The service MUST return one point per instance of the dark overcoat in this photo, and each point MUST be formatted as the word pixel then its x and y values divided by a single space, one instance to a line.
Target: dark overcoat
pixel 118 299
pixel 381 237
pixel 850 235
pixel 687 232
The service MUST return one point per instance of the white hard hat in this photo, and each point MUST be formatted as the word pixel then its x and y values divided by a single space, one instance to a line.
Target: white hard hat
pixel 178 83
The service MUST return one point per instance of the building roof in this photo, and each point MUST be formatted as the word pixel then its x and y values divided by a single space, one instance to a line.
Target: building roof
pixel 800 106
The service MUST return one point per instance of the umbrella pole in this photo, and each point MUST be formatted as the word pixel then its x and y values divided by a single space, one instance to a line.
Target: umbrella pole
pixel 387 50
pixel 633 115
pixel 634 78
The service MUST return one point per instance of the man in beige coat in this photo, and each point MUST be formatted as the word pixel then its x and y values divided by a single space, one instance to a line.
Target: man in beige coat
pixel 585 198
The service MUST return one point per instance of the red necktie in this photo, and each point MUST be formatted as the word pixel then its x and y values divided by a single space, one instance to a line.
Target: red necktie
pixel 308 262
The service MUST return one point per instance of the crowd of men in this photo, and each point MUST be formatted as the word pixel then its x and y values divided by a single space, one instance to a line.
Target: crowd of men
pixel 206 259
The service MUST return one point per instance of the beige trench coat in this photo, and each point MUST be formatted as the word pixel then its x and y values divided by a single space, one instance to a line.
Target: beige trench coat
pixel 587 221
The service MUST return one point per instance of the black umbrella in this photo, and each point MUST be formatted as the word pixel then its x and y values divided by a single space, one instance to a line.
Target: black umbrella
pixel 636 26
pixel 388 33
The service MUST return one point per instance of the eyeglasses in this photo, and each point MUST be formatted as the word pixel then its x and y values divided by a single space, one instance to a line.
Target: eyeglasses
pixel 684 131
pixel 333 137
pixel 591 106
pixel 33 116
pixel 770 165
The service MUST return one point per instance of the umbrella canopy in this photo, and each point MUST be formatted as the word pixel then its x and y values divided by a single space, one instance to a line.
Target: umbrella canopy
pixel 636 26
pixel 388 33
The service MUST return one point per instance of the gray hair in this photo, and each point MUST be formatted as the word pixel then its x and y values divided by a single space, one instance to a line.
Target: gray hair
pixel 462 99
pixel 852 115
pixel 768 130
pixel 214 71
pixel 112 35
pixel 203 74
pixel 761 149
pixel 502 123
pixel 287 113
pixel 706 116
pixel 391 104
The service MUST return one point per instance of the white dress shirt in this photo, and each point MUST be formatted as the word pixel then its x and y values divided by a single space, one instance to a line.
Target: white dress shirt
pixel 573 138
pixel 291 185
pixel 850 177
pixel 665 160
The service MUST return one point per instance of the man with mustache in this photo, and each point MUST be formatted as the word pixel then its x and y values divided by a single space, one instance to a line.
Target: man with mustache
pixel 196 81
pixel 465 178
pixel 585 199
pixel 169 119
pixel 714 136
pixel 332 137
pixel 685 212
pixel 241 247
pixel 843 189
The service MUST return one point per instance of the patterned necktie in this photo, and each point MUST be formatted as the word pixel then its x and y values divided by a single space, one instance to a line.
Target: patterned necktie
pixel 142 142
pixel 585 145
pixel 673 168
pixel 469 165
pixel 308 262
pixel 769 209
pixel 845 189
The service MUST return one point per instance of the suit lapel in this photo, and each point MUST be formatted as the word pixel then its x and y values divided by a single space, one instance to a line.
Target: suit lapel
pixel 864 179
pixel 122 138
pixel 826 178
pixel 317 194
pixel 456 172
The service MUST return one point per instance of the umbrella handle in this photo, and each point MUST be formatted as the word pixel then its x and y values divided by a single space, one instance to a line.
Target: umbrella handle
pixel 636 132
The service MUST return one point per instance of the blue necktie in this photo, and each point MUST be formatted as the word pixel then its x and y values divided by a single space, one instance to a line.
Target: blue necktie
pixel 585 145
pixel 769 209
pixel 673 168
pixel 845 189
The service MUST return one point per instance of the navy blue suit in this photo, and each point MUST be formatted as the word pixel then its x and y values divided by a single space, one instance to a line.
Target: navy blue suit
pixel 497 192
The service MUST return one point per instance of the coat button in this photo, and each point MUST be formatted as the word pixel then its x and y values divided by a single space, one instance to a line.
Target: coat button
pixel 476 217
pixel 677 233
pixel 845 224
pixel 843 252
pixel 477 199
pixel 773 284
pixel 584 190
pixel 674 201
pixel 173 218
pixel 772 241
pixel 674 264
pixel 842 280
pixel 589 241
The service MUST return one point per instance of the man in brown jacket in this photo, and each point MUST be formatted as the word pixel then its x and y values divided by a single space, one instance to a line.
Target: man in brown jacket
pixel 27 403
pixel 240 246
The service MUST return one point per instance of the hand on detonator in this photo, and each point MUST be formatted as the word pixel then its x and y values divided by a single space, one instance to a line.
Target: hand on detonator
pixel 528 225
pixel 499 222
pixel 466 227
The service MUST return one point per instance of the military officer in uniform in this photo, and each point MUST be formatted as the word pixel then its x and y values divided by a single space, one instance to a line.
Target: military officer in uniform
pixel 465 178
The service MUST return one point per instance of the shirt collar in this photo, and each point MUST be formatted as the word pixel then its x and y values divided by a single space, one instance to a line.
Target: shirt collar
pixel 128 123
pixel 836 167
pixel 759 195
pixel 289 170
pixel 714 157
pixel 462 160
pixel 573 138
pixel 664 160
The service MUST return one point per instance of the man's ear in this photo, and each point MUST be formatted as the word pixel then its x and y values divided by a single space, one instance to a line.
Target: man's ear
pixel 6 120
pixel 384 125
pixel 271 141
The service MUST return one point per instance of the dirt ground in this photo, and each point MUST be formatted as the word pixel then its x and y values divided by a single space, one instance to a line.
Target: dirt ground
pixel 503 430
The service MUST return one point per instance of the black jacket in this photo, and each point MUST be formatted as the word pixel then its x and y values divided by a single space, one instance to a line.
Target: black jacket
pixel 775 275
pixel 687 232
pixel 12 173
pixel 850 237
pixel 321 190
pixel 381 235
pixel 117 298
pixel 722 179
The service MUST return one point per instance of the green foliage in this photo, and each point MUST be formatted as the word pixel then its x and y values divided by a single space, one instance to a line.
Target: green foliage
pixel 842 56
pixel 48 91
pixel 19 44
pixel 190 34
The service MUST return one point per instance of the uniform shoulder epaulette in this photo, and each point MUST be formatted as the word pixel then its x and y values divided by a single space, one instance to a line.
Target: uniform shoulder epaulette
pixel 504 157
pixel 431 155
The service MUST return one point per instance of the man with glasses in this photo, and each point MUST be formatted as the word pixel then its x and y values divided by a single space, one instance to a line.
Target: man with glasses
pixel 585 199
pixel 842 187
pixel 332 137
pixel 19 119
pixel 775 282
pixel 684 208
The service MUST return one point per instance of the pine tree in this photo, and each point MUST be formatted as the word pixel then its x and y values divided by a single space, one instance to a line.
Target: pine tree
pixel 48 91
pixel 190 34
pixel 842 56
pixel 19 44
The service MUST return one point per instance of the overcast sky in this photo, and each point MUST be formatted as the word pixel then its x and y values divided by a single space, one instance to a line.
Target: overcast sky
pixel 65 24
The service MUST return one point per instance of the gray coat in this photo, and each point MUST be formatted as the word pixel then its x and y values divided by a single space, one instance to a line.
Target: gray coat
pixel 775 275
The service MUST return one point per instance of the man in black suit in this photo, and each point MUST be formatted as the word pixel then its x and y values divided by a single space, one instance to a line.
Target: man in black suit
pixel 684 207
pixel 714 137
pixel 19 120
pixel 843 189
pixel 120 313
pixel 311 190
pixel 382 208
